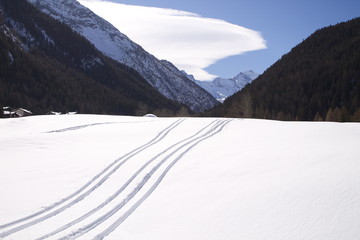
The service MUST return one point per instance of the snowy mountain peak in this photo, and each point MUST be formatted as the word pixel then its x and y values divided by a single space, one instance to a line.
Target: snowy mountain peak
pixel 222 88
pixel 249 73
pixel 162 75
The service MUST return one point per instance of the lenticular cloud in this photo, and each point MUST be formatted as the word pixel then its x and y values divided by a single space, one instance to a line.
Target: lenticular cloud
pixel 186 39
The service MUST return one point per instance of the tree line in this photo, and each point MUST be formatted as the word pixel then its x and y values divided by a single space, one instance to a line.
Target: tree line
pixel 317 80
pixel 49 67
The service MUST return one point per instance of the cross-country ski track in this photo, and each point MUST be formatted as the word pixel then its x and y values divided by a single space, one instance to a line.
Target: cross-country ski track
pixel 134 178
pixel 130 189
pixel 108 171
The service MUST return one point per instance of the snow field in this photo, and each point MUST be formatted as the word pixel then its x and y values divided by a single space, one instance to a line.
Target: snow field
pixel 168 178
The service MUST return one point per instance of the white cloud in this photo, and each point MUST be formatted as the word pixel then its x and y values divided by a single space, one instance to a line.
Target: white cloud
pixel 186 39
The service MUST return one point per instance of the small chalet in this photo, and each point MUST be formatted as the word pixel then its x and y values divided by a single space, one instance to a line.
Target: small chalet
pixel 10 112
pixel 53 113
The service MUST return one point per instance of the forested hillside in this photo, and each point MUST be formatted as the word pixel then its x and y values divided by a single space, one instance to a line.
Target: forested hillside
pixel 45 66
pixel 317 80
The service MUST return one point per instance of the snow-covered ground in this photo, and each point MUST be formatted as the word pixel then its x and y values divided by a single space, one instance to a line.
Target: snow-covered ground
pixel 136 178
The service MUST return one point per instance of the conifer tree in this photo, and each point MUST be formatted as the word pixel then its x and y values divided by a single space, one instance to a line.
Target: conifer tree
pixel 318 79
pixel 1 111
pixel 246 105
pixel 318 117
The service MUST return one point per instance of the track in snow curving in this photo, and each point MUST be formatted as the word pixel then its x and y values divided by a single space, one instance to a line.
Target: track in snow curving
pixel 178 153
pixel 90 125
pixel 119 208
pixel 118 222
pixel 123 187
pixel 104 175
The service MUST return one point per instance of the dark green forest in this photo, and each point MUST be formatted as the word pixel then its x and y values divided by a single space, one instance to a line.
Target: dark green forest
pixel 317 80
pixel 46 66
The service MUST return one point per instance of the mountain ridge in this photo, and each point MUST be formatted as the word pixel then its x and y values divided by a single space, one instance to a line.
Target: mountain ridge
pixel 167 79
pixel 46 66
pixel 319 79
pixel 222 88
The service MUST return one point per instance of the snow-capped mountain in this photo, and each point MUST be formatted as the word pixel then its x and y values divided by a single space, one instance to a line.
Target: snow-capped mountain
pixel 162 75
pixel 46 66
pixel 221 88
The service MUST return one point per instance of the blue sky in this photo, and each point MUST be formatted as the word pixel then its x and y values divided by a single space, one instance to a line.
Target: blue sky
pixel 283 24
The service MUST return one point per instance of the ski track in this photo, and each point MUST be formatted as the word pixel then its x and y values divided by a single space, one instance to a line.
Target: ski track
pixel 160 136
pixel 177 150
pixel 117 193
pixel 80 127
pixel 118 222
pixel 90 125
pixel 193 142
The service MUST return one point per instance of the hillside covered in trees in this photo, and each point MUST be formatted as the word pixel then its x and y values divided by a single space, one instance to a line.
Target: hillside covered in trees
pixel 317 80
pixel 46 66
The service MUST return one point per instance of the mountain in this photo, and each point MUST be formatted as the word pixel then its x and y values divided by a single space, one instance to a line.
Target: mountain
pixel 317 80
pixel 46 66
pixel 162 75
pixel 222 88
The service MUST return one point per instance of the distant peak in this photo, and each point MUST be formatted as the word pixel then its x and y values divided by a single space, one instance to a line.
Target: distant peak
pixel 221 88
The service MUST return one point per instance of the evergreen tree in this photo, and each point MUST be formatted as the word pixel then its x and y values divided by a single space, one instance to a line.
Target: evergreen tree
pixel 245 105
pixel 318 79
pixel 318 117
pixel 67 73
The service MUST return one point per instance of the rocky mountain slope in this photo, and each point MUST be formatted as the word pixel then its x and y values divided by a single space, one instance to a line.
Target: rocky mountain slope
pixel 162 75
pixel 222 88
pixel 46 66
